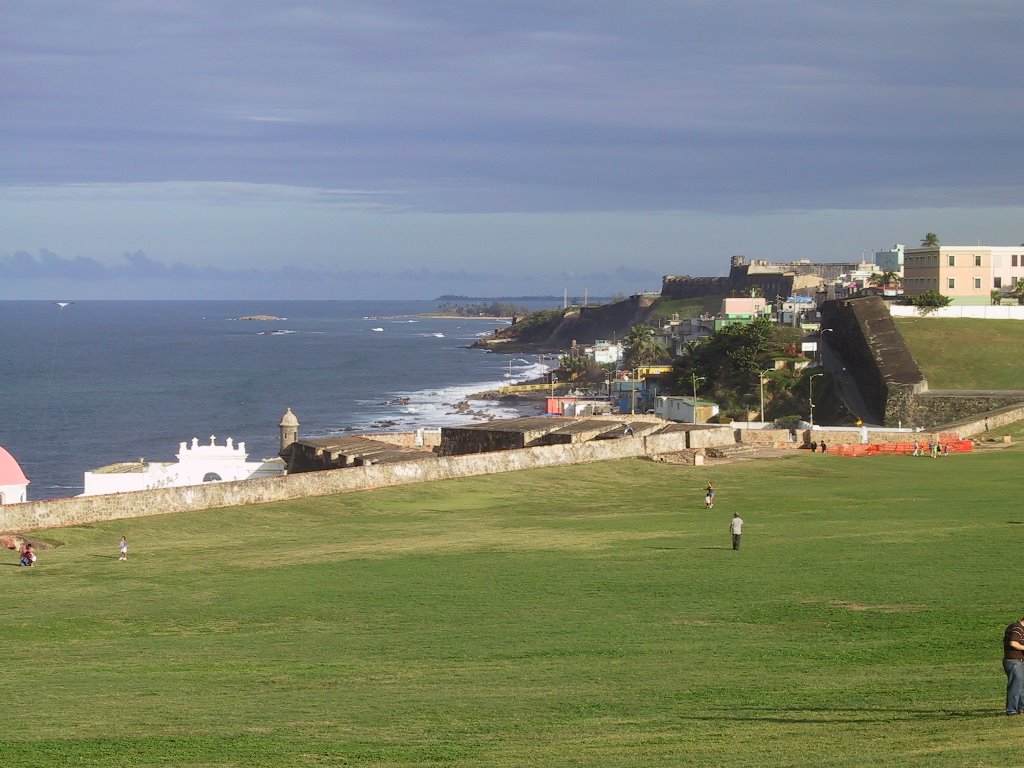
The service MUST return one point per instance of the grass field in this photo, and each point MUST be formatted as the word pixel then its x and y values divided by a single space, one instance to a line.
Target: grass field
pixel 584 616
pixel 966 353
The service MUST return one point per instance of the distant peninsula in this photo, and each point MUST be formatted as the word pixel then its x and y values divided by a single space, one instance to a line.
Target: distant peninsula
pixel 493 310
pixel 259 317
pixel 478 299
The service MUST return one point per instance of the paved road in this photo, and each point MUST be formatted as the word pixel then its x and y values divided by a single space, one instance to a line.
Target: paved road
pixel 836 366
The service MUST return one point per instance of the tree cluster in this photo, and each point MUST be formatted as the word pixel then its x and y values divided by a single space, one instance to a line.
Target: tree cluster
pixel 494 309
pixel 727 366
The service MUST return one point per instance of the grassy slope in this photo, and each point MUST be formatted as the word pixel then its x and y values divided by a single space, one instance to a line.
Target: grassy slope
pixel 584 616
pixel 967 354
pixel 664 308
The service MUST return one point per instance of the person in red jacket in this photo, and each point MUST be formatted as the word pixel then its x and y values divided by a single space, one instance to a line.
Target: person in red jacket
pixel 28 556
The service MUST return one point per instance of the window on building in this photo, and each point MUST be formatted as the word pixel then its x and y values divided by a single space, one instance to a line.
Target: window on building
pixel 951 260
pixel 1013 259
pixel 977 282
pixel 997 282
pixel 951 283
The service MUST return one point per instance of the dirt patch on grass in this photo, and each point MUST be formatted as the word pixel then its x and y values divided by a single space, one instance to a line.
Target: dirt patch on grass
pixel 853 605
pixel 483 538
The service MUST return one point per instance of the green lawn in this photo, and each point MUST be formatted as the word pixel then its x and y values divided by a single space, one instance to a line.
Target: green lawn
pixel 967 354
pixel 582 616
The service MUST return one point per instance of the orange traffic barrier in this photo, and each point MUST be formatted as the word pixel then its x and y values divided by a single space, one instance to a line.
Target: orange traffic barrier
pixel 952 445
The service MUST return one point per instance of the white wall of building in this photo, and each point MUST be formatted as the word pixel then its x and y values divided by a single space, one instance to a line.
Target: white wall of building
pixel 196 465
pixel 977 311
pixel 13 494
pixel 680 409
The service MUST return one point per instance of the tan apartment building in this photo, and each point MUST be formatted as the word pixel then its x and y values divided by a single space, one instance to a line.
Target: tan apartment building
pixel 966 273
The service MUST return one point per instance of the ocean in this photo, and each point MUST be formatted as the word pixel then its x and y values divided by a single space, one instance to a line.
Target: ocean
pixel 96 382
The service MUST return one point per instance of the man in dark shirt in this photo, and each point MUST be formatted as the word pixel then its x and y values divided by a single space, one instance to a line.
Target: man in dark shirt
pixel 1013 665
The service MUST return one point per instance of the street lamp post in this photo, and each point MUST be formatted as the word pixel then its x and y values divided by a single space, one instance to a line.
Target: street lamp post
pixel 695 378
pixel 810 394
pixel 760 377
pixel 821 333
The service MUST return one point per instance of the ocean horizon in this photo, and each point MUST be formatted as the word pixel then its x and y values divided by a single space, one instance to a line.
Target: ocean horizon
pixel 91 383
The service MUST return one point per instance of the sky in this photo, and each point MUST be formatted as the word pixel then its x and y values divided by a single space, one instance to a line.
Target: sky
pixel 299 149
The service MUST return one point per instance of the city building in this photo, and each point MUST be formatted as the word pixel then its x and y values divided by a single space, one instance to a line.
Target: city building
pixel 604 352
pixel 967 274
pixel 891 259
pixel 685 409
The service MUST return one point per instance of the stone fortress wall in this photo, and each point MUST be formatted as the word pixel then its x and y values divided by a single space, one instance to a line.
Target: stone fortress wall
pixel 81 510
pixel 887 375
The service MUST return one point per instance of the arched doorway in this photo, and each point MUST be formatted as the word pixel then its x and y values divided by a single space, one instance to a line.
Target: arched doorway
pixel 211 477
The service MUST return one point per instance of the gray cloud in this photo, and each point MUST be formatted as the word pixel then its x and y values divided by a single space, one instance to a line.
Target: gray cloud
pixel 156 279
pixel 468 106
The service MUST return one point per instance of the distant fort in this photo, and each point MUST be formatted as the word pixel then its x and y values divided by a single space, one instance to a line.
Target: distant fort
pixel 794 278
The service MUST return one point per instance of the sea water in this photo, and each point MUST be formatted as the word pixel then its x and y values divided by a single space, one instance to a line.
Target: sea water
pixel 93 382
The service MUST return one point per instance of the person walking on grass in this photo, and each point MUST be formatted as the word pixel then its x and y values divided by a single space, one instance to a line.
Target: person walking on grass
pixel 736 529
pixel 122 547
pixel 1013 666
pixel 709 496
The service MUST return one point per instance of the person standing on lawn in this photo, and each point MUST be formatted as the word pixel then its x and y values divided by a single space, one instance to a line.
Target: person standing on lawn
pixel 736 529
pixel 1013 666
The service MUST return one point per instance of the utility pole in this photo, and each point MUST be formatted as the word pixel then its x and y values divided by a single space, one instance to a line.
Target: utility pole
pixel 695 378
pixel 760 377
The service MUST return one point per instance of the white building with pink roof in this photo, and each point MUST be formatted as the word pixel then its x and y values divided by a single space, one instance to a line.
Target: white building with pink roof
pixel 13 483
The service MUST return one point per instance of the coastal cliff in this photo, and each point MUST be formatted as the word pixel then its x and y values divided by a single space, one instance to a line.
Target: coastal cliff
pixel 555 330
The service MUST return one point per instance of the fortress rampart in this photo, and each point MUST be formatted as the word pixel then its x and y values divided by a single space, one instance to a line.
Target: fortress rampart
pixel 887 375
pixel 82 510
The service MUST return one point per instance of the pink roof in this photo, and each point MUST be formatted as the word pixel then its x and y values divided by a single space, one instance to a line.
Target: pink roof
pixel 10 470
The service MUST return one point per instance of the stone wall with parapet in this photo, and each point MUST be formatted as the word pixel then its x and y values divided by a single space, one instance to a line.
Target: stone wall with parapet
pixel 421 438
pixel 851 437
pixel 713 437
pixel 774 438
pixel 686 287
pixel 977 422
pixel 81 510
pixel 935 408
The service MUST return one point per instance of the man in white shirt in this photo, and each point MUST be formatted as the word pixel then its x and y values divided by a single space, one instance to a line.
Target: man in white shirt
pixel 736 529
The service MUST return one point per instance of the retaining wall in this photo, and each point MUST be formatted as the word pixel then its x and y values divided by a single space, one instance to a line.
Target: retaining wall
pixel 714 437
pixel 847 437
pixel 934 408
pixel 983 422
pixel 774 438
pixel 91 509
pixel 978 311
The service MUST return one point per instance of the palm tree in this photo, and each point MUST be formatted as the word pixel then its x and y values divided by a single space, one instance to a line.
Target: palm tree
pixel 1018 290
pixel 930 240
pixel 887 279
pixel 641 347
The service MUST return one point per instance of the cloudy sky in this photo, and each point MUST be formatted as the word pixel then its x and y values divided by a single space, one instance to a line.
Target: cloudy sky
pixel 403 149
